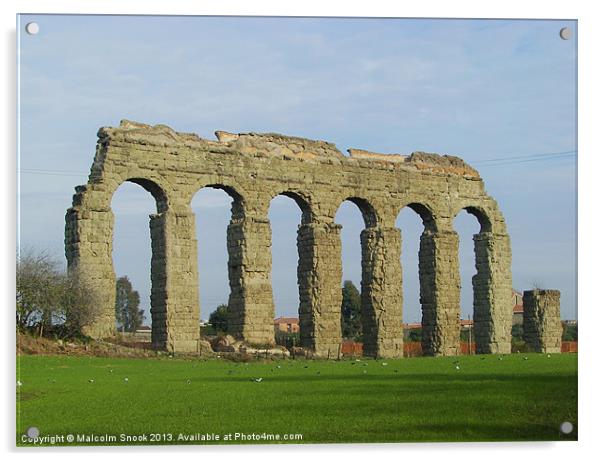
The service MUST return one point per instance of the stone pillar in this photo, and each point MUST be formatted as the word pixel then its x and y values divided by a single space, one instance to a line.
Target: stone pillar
pixel 542 329
pixel 251 305
pixel 319 276
pixel 439 292
pixel 382 292
pixel 89 249
pixel 174 282
pixel 492 291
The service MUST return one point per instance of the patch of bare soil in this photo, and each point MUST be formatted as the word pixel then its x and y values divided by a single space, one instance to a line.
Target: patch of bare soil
pixel 31 345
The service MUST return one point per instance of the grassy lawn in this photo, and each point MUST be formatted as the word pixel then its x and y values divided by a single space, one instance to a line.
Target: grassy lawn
pixel 407 400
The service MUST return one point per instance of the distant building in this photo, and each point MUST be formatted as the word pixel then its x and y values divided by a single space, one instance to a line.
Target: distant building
pixel 466 324
pixel 287 324
pixel 408 327
pixel 517 309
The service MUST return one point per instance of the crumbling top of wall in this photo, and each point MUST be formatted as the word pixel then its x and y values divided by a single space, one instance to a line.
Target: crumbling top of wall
pixel 285 147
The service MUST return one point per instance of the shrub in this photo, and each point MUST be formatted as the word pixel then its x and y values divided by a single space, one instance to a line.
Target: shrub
pixel 47 296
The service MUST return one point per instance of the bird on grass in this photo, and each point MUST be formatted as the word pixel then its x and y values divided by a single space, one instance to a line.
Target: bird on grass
pixel 385 364
pixel 90 381
pixel 126 380
pixel 549 356
pixel 257 380
pixel 457 367
pixel 188 381
pixel 19 383
pixel 525 358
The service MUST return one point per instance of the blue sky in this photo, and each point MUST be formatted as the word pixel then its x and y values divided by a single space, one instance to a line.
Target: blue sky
pixel 480 89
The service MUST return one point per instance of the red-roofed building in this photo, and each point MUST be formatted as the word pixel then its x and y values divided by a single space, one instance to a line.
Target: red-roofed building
pixel 287 324
pixel 465 324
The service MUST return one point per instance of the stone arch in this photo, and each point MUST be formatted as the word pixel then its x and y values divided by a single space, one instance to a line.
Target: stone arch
pixel 318 177
pixel 369 214
pixel 481 215
pixel 491 284
pixel 381 297
pixel 307 219
pixel 89 237
pixel 234 191
pixel 304 204
pixel 158 186
pixel 438 278
pixel 155 190
pixel 232 265
pixel 159 198
pixel 250 303
pixel 425 212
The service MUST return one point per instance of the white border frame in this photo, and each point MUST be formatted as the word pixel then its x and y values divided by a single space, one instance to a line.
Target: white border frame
pixel 589 190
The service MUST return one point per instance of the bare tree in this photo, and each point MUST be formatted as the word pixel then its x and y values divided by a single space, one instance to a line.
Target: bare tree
pixel 38 289
pixel 47 295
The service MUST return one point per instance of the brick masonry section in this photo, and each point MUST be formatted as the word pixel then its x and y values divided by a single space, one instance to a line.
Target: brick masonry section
pixel 254 168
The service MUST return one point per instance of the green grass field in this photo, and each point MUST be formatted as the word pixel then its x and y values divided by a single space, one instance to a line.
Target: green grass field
pixel 407 400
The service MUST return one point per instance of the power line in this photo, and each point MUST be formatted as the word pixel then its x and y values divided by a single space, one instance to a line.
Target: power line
pixel 51 172
pixel 530 156
pixel 528 160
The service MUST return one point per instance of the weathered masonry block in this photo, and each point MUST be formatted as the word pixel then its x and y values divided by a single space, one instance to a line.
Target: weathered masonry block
pixel 253 169
pixel 319 274
pixel 250 306
pixel 542 329
pixel 174 292
pixel 381 292
pixel 492 320
pixel 439 292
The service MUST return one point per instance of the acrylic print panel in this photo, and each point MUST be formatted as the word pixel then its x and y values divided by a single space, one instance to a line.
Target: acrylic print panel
pixel 253 230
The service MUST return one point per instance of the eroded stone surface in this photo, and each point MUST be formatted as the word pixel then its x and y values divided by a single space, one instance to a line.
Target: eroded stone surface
pixel 542 329
pixel 253 168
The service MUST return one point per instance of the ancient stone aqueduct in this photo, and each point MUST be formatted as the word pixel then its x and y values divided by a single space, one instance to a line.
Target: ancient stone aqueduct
pixel 254 168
